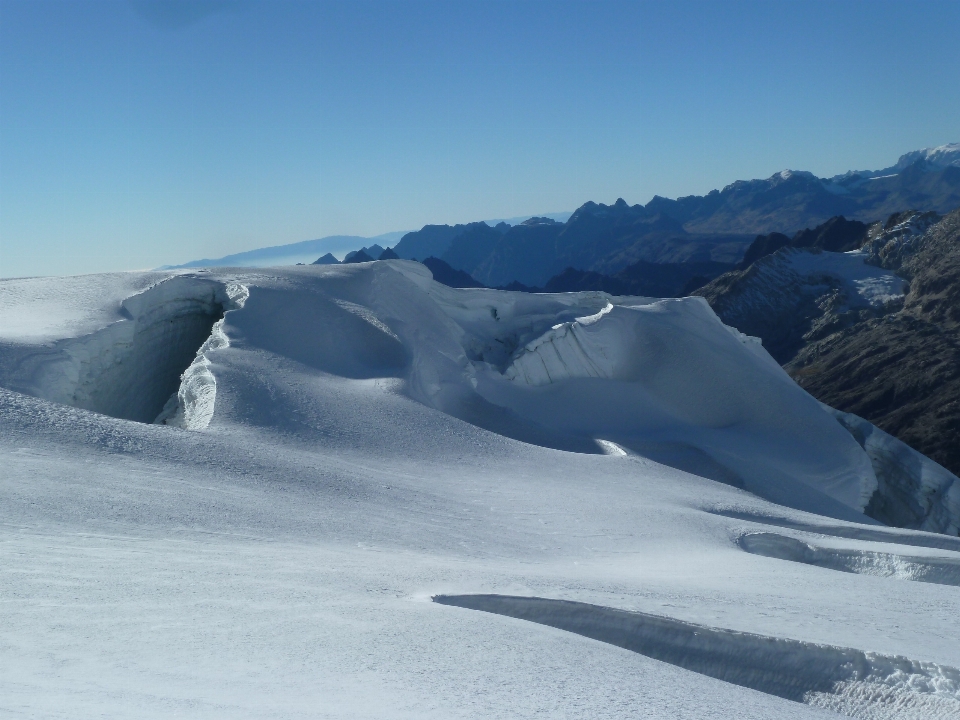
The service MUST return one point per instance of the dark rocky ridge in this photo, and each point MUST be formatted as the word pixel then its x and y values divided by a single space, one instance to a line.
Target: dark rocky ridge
pixel 447 275
pixel 835 235
pixel 902 371
pixel 641 278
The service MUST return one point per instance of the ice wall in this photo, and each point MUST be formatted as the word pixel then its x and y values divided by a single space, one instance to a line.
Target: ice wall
pixel 913 491
pixel 191 406
pixel 130 368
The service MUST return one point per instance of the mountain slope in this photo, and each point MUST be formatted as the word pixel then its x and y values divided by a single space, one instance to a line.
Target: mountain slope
pixel 902 371
pixel 662 280
pixel 872 332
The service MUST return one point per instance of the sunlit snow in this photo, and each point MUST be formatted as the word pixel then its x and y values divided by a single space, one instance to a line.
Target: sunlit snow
pixel 370 495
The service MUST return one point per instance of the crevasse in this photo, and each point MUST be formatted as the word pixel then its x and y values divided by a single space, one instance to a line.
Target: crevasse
pixel 191 407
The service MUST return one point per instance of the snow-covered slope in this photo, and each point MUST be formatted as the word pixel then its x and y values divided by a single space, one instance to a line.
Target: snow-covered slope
pixel 629 474
pixel 939 157
pixel 936 158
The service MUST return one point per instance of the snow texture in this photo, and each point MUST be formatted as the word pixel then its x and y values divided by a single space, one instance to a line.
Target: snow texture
pixel 340 444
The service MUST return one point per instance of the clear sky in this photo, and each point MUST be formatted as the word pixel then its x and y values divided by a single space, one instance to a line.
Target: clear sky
pixel 139 133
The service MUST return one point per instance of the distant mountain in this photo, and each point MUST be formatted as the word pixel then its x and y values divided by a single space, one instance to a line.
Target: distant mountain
pixel 597 237
pixel 373 252
pixel 938 157
pixel 789 200
pixel 836 235
pixel 360 256
pixel 446 275
pixel 327 259
pixel 718 227
pixel 660 280
pixel 307 251
pixel 300 252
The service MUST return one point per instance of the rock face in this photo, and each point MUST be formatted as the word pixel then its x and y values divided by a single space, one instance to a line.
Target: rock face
pixel 901 371
pixel 874 332
pixel 798 295
pixel 446 275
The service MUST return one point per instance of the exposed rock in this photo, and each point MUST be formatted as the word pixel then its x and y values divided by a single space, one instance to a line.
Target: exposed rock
pixel 447 275
pixel 902 371
pixel 641 278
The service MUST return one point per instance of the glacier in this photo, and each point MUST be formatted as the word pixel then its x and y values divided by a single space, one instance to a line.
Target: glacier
pixel 349 491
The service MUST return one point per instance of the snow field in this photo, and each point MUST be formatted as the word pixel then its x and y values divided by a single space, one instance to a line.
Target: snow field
pixel 364 451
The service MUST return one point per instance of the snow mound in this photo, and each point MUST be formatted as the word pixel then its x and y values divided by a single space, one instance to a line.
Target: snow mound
pixel 667 380
pixel 583 372
pixel 863 684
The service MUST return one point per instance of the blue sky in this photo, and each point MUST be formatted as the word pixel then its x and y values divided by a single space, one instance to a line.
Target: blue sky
pixel 138 133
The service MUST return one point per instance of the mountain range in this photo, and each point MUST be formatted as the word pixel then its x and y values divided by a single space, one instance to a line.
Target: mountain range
pixel 718 227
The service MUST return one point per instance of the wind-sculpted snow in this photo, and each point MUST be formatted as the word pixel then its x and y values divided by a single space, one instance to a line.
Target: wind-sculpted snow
pixel 668 381
pixel 352 440
pixel 853 682
pixel 940 570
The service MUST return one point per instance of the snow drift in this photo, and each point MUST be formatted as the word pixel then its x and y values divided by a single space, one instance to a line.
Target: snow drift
pixel 842 679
